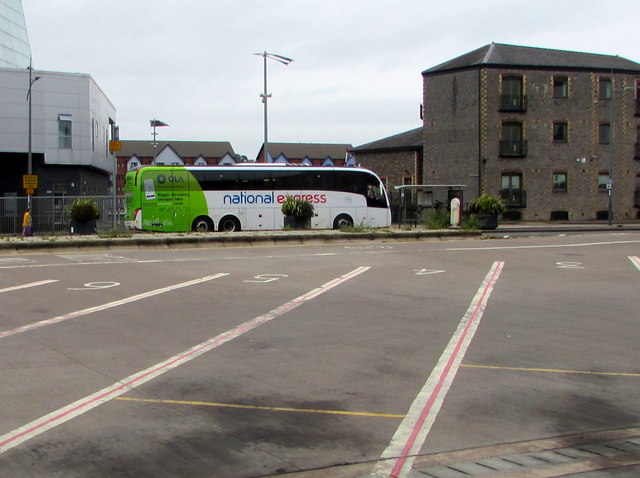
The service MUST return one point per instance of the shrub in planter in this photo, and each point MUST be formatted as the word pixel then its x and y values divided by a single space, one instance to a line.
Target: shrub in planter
pixel 84 213
pixel 488 208
pixel 298 212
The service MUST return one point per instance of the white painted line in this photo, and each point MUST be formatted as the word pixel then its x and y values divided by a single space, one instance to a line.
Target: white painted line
pixel 25 286
pixel 109 305
pixel 411 434
pixel 547 246
pixel 62 415
pixel 635 260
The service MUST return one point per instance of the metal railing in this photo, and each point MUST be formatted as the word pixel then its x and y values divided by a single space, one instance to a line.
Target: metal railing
pixel 50 214
pixel 514 197
pixel 517 103
pixel 514 149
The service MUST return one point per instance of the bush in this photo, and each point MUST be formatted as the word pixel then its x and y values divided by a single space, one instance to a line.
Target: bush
pixel 470 223
pixel 297 207
pixel 434 218
pixel 84 210
pixel 487 204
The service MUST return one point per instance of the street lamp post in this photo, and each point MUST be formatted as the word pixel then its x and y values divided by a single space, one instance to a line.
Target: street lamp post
pixel 32 80
pixel 154 123
pixel 285 61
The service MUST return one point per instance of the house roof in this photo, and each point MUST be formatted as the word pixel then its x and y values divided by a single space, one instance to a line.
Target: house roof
pixel 409 140
pixel 186 149
pixel 499 54
pixel 308 150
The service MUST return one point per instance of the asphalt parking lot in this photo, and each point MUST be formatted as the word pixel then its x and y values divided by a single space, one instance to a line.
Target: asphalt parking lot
pixel 352 358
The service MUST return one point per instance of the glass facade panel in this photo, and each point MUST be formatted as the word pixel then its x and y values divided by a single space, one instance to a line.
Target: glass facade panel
pixel 15 51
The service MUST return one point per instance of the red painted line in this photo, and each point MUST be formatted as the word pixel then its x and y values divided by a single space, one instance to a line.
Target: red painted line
pixel 400 462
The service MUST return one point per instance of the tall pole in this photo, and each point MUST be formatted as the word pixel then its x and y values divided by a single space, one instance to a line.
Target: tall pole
pixel 265 95
pixel 30 148
pixel 611 150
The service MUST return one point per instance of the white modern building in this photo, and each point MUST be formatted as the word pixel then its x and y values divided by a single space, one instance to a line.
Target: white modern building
pixel 15 51
pixel 63 122
pixel 72 122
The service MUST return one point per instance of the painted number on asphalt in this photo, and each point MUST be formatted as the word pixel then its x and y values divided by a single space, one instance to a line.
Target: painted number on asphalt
pixel 264 278
pixel 425 272
pixel 569 265
pixel 96 285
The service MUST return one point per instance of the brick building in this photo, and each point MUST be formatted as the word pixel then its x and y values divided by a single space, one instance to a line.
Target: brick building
pixel 396 159
pixel 552 132
pixel 139 153
pixel 310 154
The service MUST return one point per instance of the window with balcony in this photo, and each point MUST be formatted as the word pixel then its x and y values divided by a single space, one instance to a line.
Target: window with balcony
pixel 560 87
pixel 560 182
pixel 512 143
pixel 604 133
pixel 560 131
pixel 511 190
pixel 513 98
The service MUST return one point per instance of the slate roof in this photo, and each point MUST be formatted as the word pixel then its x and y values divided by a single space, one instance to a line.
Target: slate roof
pixel 309 150
pixel 502 55
pixel 186 149
pixel 409 140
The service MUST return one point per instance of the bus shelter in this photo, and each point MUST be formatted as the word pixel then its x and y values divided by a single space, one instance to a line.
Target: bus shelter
pixel 414 198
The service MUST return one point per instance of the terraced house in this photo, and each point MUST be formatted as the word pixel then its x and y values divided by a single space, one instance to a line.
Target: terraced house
pixel 555 133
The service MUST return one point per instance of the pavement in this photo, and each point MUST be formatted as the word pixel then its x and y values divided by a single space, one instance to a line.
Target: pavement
pixel 249 238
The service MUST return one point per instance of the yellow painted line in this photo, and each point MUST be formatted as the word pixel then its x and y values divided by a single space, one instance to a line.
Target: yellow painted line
pixel 255 407
pixel 550 370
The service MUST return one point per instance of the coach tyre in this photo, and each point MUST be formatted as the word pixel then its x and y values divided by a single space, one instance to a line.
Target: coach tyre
pixel 343 220
pixel 229 224
pixel 202 224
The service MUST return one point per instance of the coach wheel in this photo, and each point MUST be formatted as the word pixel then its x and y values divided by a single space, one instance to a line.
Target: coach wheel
pixel 343 220
pixel 202 224
pixel 229 224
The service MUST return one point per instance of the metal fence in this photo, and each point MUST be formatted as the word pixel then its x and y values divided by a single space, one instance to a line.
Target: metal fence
pixel 50 214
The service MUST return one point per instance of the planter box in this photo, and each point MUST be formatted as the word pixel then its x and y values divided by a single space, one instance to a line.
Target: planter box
pixel 487 221
pixel 83 228
pixel 297 222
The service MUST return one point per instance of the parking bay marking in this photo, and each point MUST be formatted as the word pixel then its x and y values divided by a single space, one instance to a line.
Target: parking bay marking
pixel 263 408
pixel 635 260
pixel 551 370
pixel 30 430
pixel 109 305
pixel 26 286
pixel 412 432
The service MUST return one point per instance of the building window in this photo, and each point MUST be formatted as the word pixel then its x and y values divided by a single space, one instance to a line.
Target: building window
pixel 636 196
pixel 604 86
pixel 133 163
pixel 64 131
pixel 604 133
pixel 513 98
pixel 603 181
pixel 512 143
pixel 511 191
pixel 560 182
pixel 560 87
pixel 560 131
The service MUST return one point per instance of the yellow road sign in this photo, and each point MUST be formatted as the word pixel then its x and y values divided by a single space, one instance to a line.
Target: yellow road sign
pixel 30 181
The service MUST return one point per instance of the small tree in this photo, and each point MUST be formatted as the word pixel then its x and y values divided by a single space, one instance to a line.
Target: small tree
pixel 487 204
pixel 297 207
pixel 84 210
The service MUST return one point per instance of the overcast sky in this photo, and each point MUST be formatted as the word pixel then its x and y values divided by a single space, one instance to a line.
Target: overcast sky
pixel 356 76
